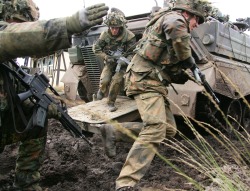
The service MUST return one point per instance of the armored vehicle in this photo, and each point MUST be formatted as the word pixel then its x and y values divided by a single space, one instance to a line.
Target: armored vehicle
pixel 222 54
pixel 83 75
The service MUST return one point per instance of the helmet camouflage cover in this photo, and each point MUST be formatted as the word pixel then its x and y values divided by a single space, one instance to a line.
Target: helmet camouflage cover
pixel 115 19
pixel 22 10
pixel 196 7
pixel 217 14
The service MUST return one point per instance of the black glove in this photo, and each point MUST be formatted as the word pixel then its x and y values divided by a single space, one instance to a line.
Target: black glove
pixel 123 64
pixel 179 78
pixel 188 63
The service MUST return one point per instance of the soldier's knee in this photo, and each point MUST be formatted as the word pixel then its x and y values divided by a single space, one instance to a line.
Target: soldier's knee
pixel 104 81
pixel 153 133
pixel 117 80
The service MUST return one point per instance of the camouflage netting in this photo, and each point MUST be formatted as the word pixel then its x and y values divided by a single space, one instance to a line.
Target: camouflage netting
pixel 115 19
pixel 202 8
pixel 22 10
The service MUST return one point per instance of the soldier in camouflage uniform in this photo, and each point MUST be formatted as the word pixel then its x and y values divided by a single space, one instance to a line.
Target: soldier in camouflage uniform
pixel 161 56
pixel 30 39
pixel 117 36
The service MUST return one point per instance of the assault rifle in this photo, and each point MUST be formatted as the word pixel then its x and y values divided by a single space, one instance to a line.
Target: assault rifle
pixel 201 79
pixel 36 86
pixel 118 56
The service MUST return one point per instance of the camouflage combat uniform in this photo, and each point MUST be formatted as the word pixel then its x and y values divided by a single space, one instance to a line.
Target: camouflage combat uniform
pixel 37 38
pixel 109 78
pixel 168 31
pixel 31 38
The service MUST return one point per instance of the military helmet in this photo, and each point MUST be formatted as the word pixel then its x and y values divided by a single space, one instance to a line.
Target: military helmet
pixel 115 19
pixel 21 10
pixel 196 7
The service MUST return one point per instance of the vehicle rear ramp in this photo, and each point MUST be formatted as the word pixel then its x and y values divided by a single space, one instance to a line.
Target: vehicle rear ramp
pixel 91 115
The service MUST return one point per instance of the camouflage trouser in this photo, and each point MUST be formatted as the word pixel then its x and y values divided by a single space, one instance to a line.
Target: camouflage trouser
pixel 28 162
pixel 30 154
pixel 115 81
pixel 159 123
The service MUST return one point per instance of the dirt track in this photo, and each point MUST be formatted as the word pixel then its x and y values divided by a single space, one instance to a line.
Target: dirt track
pixel 70 164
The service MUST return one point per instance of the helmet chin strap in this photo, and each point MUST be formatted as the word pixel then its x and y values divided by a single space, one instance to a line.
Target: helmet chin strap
pixel 189 18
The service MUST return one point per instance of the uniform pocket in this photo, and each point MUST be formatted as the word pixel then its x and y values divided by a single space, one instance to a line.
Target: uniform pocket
pixel 149 95
pixel 151 48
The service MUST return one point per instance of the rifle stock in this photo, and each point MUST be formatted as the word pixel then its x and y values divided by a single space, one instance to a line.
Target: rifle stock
pixel 36 86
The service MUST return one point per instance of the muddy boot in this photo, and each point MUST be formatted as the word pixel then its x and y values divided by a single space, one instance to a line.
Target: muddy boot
pixel 112 107
pixel 126 188
pixel 110 135
pixel 29 160
pixel 129 188
pixel 108 138
pixel 99 95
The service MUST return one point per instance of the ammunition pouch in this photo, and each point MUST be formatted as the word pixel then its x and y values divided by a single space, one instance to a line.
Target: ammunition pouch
pixel 151 47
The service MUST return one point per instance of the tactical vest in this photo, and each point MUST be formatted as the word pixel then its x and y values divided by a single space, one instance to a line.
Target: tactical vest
pixel 157 48
pixel 154 46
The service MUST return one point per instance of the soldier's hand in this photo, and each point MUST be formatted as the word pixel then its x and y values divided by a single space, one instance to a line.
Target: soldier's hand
pixel 86 18
pixel 92 15
pixel 52 112
pixel 109 59
pixel 123 64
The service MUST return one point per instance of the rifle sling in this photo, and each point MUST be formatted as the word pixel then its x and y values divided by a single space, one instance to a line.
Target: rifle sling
pixel 13 99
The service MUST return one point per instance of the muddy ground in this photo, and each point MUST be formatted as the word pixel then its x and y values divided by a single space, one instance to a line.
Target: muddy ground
pixel 71 165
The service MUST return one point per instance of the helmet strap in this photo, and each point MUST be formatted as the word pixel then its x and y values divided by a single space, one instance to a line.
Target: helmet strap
pixel 187 16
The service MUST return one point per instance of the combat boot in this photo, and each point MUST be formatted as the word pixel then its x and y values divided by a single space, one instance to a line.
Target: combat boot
pixel 129 188
pixel 112 107
pixel 125 188
pixel 108 138
pixel 110 135
pixel 99 95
